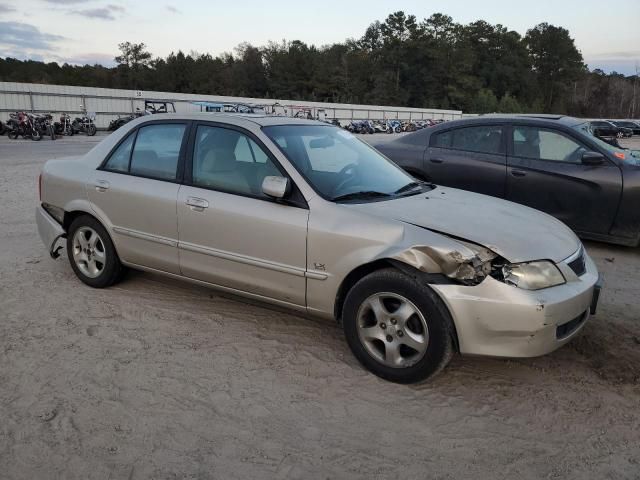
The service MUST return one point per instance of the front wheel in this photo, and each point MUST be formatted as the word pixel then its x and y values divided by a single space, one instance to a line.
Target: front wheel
pixel 397 328
pixel 91 253
pixel 91 130
pixel 35 135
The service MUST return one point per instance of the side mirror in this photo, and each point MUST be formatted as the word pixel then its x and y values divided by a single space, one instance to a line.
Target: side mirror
pixel 275 187
pixel 592 158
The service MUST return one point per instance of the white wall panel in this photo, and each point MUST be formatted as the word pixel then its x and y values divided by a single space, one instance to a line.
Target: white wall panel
pixel 109 103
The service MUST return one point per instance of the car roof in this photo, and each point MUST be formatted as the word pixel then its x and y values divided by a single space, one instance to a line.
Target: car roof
pixel 536 118
pixel 239 119
pixel 489 119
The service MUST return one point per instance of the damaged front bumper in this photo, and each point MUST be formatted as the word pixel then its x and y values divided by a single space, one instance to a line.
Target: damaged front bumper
pixel 496 319
pixel 50 231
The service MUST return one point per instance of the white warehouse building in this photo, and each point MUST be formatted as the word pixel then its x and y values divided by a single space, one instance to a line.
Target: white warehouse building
pixel 108 104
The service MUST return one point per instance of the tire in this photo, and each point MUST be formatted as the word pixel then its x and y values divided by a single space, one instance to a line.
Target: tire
pixel 13 134
pixel 428 325
pixel 91 130
pixel 99 269
pixel 35 135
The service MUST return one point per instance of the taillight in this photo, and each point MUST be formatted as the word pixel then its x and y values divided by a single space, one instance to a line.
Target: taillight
pixel 40 187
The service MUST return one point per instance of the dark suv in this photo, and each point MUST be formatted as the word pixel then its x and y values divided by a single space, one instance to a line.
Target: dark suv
pixel 551 163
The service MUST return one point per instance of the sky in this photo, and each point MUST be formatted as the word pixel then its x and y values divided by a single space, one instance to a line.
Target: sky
pixel 88 31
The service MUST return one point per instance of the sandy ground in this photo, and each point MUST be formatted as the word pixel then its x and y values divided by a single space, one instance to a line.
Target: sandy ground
pixel 160 379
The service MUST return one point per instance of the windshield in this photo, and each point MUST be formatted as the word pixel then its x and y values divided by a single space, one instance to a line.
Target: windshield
pixel 631 157
pixel 339 166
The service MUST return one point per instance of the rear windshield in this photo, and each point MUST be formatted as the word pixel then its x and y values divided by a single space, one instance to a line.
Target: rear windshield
pixel 631 157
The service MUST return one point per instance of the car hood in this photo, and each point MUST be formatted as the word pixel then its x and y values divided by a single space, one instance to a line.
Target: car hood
pixel 513 231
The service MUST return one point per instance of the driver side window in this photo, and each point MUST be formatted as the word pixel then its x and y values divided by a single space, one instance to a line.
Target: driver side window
pixel 541 144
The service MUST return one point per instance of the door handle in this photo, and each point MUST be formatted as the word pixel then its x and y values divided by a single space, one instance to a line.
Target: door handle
pixel 102 185
pixel 197 204
pixel 518 173
pixel 436 160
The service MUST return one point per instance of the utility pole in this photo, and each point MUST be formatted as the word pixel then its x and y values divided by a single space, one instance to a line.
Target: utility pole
pixel 635 85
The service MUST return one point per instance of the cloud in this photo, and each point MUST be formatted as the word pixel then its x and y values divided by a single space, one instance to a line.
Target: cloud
pixel 172 9
pixel 6 8
pixel 108 12
pixel 65 2
pixel 629 54
pixel 609 65
pixel 625 62
pixel 105 59
pixel 26 37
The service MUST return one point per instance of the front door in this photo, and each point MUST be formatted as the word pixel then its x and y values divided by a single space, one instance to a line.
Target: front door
pixel 545 171
pixel 231 234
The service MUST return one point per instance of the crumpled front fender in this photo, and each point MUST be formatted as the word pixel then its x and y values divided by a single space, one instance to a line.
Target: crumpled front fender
pixel 468 263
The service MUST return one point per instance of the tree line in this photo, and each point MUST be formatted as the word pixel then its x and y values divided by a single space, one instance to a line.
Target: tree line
pixel 433 63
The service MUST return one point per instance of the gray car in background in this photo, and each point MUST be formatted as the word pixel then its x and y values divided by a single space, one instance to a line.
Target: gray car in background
pixel 304 215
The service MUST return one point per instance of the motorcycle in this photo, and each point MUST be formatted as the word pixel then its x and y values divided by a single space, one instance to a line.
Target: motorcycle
pixel 63 127
pixel 3 128
pixel 120 121
pixel 84 124
pixel 394 126
pixel 361 126
pixel 22 124
pixel 43 124
pixel 409 127
pixel 380 127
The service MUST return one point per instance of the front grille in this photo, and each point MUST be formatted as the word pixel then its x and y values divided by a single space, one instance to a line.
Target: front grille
pixel 566 329
pixel 578 265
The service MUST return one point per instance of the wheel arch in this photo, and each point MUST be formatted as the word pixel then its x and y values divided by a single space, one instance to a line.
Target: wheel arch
pixel 71 215
pixel 422 277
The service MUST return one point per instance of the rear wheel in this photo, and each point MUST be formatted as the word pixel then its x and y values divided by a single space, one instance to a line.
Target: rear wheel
pixel 397 328
pixel 91 253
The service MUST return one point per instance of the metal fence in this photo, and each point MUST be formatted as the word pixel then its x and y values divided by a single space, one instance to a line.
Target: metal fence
pixel 108 104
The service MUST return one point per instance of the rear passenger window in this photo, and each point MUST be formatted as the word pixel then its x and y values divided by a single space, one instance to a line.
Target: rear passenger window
pixel 157 150
pixel 485 139
pixel 119 160
pixel 442 140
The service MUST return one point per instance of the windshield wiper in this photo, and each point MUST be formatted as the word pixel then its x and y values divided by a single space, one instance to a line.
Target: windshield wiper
pixel 412 185
pixel 363 195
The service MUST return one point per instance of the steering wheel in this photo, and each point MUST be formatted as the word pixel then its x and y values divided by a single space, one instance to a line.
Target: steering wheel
pixel 351 173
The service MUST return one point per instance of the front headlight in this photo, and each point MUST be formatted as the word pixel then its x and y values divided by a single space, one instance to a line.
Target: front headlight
pixel 532 275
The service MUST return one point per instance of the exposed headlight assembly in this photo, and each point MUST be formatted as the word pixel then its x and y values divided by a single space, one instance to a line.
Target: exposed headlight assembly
pixel 532 275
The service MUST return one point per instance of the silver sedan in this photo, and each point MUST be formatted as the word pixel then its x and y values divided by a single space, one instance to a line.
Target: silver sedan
pixel 304 215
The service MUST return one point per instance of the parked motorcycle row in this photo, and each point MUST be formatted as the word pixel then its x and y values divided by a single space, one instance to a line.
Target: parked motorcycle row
pixel 34 126
pixel 389 126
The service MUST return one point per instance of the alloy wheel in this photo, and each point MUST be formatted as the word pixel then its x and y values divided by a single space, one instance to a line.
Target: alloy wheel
pixel 392 330
pixel 89 252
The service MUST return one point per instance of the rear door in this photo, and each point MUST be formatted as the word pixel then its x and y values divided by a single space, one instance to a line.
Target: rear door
pixel 471 158
pixel 135 192
pixel 546 172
